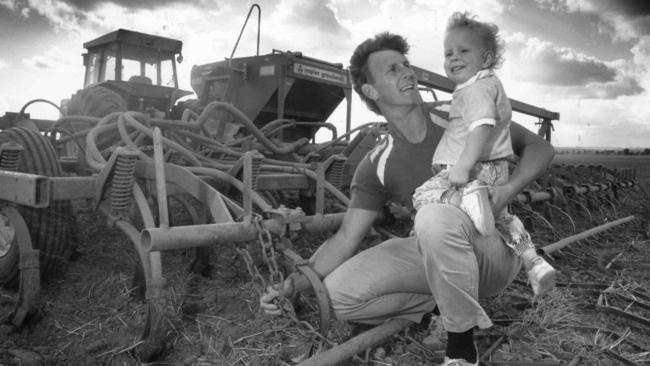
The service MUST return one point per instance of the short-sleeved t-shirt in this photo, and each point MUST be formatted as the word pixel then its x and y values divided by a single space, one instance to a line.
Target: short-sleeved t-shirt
pixel 393 169
pixel 480 100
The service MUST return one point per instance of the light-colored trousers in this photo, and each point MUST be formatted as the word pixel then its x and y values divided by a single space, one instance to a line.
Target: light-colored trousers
pixel 492 173
pixel 448 264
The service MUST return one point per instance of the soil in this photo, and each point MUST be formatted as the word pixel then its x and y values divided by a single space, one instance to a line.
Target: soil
pixel 90 312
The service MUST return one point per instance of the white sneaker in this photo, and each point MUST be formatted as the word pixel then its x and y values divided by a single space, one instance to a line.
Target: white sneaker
pixel 476 204
pixel 541 277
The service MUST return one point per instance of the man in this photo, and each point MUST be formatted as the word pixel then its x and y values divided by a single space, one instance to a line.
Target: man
pixel 447 264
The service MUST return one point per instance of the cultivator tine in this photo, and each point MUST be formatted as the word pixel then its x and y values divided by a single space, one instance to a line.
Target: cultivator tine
pixel 580 207
pixel 565 214
pixel 29 276
pixel 541 217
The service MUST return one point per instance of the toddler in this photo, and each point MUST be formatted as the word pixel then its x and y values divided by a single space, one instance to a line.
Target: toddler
pixel 472 153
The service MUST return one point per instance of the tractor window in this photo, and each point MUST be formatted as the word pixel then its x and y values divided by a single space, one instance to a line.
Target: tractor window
pixel 136 71
pixel 110 66
pixel 130 69
pixel 167 73
pixel 92 68
pixel 139 64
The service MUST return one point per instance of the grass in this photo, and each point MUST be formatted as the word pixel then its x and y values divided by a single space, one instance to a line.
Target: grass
pixel 90 314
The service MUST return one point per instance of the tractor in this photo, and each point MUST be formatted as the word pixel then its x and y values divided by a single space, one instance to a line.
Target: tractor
pixel 128 70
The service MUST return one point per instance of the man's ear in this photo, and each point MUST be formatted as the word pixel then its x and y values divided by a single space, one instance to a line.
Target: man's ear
pixel 369 91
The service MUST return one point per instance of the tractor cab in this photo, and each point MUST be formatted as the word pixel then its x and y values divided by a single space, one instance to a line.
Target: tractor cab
pixel 140 67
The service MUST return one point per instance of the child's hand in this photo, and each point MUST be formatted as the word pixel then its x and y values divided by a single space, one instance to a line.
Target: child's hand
pixel 458 176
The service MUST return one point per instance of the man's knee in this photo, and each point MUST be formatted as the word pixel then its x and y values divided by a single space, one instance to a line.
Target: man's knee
pixel 436 221
pixel 342 301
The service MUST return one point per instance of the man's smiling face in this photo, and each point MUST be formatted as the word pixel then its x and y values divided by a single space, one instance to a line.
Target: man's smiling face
pixel 393 80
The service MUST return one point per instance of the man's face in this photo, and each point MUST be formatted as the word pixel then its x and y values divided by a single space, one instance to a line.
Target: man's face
pixel 394 81
pixel 464 55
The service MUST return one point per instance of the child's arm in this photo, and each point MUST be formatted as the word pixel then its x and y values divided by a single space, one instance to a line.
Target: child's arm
pixel 476 140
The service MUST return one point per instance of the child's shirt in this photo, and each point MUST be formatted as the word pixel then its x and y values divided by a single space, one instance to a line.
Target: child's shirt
pixel 479 101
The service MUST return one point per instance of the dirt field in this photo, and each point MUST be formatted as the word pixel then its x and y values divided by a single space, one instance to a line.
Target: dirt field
pixel 90 313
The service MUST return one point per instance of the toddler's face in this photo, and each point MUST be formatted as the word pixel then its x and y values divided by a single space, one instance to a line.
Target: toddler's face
pixel 464 55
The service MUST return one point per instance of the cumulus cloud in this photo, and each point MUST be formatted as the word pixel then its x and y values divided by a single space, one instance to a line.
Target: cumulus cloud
pixel 624 20
pixel 3 64
pixel 80 15
pixel 312 14
pixel 61 15
pixel 53 59
pixel 139 4
pixel 622 86
pixel 543 63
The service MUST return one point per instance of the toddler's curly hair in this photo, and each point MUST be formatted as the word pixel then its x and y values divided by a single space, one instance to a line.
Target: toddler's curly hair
pixel 487 32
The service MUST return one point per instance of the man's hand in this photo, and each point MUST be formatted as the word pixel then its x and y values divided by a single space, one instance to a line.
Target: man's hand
pixel 269 301
pixel 458 176
pixel 400 212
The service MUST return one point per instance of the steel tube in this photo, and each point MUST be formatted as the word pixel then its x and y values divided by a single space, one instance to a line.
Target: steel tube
pixel 191 236
pixel 571 239
pixel 367 339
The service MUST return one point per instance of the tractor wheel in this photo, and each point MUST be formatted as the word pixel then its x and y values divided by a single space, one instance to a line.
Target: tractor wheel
pixel 50 228
pixel 96 101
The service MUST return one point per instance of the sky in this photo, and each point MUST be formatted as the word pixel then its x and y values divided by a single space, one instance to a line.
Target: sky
pixel 587 60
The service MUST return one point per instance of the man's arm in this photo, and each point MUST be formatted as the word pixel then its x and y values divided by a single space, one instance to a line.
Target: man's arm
pixel 334 251
pixel 344 243
pixel 535 155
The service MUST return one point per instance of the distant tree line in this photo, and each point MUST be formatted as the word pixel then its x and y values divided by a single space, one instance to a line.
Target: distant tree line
pixel 626 151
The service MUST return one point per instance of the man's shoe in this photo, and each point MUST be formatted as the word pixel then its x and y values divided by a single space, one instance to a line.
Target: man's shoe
pixel 541 277
pixel 460 361
pixel 476 204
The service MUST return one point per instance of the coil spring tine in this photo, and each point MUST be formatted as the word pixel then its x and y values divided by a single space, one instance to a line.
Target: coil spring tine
pixel 335 173
pixel 10 154
pixel 256 166
pixel 122 183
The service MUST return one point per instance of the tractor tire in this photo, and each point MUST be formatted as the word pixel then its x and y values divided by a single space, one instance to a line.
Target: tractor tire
pixel 51 229
pixel 96 101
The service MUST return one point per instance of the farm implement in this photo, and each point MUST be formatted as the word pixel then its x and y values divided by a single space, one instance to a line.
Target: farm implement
pixel 239 162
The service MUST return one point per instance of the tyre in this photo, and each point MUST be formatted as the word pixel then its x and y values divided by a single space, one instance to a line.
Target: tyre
pixel 96 101
pixel 50 228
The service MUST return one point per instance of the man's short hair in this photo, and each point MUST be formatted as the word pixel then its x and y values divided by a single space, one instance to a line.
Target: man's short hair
pixel 359 61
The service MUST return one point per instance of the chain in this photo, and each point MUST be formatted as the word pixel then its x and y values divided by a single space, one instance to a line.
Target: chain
pixel 259 283
pixel 276 281
pixel 276 278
